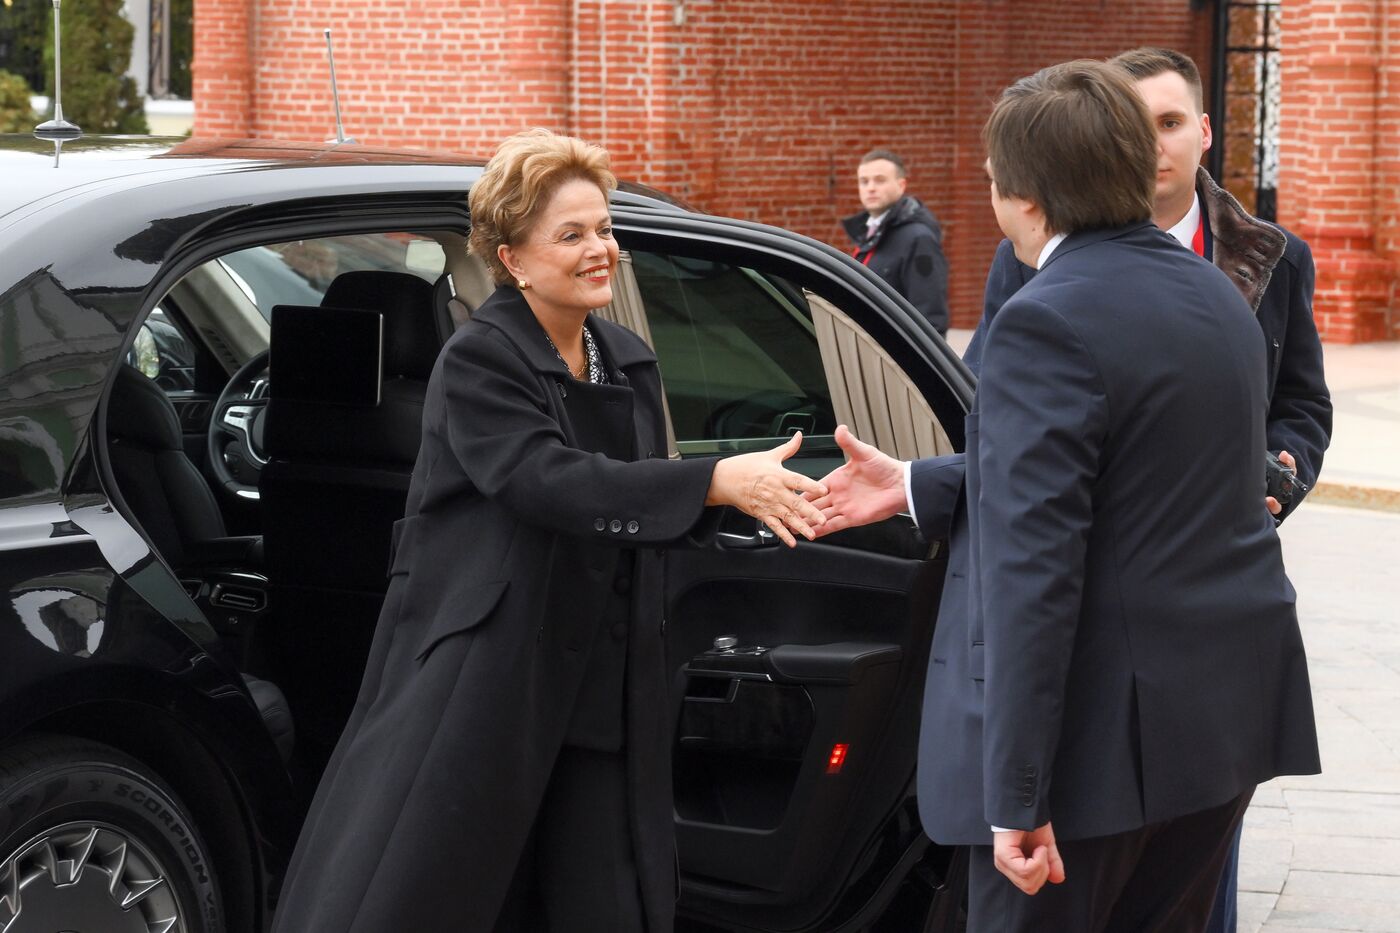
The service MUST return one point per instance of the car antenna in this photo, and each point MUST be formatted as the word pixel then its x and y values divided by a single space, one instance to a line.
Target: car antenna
pixel 57 129
pixel 340 137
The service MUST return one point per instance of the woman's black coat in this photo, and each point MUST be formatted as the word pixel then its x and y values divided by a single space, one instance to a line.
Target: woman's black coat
pixel 500 573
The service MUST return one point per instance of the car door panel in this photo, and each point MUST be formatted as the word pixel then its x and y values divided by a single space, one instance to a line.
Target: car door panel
pixel 796 736
pixel 760 807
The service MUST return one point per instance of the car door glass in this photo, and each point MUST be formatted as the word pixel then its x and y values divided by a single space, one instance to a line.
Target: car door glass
pixel 298 272
pixel 738 353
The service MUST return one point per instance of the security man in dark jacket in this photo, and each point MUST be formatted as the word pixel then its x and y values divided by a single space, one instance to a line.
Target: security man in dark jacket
pixel 898 238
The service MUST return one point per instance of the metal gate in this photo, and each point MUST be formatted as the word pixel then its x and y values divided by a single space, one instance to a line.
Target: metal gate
pixel 1245 103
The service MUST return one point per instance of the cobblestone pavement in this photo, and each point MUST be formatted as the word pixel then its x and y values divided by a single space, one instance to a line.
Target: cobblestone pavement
pixel 1322 853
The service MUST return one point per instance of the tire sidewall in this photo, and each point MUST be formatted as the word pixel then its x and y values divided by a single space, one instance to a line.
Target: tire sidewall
pixel 90 785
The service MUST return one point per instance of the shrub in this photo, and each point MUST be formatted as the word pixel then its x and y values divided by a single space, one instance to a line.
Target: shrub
pixel 24 28
pixel 16 115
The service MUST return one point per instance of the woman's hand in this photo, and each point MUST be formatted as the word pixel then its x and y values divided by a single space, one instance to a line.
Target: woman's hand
pixel 758 485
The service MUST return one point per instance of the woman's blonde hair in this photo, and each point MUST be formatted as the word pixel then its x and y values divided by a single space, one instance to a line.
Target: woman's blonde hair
pixel 518 182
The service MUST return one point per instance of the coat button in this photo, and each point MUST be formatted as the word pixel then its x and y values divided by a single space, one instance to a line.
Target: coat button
pixel 633 528
pixel 619 630
pixel 622 585
pixel 599 524
pixel 615 526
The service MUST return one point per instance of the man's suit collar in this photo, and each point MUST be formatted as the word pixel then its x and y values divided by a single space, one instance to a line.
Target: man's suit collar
pixel 1082 238
pixel 507 311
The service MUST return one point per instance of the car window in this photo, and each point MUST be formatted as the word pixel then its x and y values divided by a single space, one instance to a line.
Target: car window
pixel 298 272
pixel 738 354
pixel 162 352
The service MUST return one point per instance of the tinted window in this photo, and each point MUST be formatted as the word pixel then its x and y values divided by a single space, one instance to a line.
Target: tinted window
pixel 738 352
pixel 299 272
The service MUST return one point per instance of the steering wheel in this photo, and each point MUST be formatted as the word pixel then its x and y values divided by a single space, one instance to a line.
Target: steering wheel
pixel 235 437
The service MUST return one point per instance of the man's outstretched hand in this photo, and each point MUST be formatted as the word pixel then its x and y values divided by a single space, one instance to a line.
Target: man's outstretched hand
pixel 1029 859
pixel 869 488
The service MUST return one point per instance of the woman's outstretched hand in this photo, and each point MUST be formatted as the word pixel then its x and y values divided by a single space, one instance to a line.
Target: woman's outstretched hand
pixel 758 485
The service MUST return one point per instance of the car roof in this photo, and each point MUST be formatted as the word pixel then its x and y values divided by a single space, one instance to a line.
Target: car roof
pixel 33 169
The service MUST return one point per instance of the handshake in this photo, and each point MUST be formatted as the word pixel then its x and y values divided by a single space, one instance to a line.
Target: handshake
pixel 870 488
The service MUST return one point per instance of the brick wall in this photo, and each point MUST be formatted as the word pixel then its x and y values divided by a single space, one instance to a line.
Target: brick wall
pixel 751 108
pixel 1340 158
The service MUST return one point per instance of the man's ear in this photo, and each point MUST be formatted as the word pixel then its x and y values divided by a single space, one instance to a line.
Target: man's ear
pixel 903 184
pixel 1205 132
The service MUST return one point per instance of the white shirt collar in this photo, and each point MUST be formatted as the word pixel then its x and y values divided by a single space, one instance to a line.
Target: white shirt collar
pixel 1185 230
pixel 1049 248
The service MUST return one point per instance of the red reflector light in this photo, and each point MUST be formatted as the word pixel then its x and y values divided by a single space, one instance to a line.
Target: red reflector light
pixel 836 759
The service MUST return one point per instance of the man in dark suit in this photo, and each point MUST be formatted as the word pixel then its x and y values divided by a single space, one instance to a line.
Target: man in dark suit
pixel 1102 530
pixel 1270 267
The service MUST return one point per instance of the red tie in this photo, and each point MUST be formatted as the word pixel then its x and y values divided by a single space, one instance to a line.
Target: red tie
pixel 1198 242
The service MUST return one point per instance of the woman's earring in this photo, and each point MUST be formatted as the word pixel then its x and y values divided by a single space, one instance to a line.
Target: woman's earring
pixel 522 283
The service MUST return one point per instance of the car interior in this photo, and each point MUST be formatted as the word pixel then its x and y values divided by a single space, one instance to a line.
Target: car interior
pixel 262 433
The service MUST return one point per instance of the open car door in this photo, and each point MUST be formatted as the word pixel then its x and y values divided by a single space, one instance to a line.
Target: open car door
pixel 797 673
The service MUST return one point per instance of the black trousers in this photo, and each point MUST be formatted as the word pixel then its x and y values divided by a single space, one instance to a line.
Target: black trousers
pixel 579 873
pixel 1158 879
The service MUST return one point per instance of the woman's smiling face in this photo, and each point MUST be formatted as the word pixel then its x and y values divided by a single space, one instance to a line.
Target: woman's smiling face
pixel 568 256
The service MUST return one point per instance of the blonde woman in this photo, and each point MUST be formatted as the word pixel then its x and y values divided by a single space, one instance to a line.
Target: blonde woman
pixel 507 765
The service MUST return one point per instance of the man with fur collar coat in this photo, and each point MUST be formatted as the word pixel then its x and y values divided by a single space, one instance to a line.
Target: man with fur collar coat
pixel 1271 267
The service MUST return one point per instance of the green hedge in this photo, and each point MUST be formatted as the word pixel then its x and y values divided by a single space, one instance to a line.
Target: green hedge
pixel 16 115
pixel 25 26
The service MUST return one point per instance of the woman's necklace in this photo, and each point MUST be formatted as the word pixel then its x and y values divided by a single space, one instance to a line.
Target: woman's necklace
pixel 591 368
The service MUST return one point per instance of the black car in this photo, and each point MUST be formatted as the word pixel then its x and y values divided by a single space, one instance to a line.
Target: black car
pixel 188 588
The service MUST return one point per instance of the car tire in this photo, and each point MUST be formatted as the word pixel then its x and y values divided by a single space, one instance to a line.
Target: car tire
pixel 92 840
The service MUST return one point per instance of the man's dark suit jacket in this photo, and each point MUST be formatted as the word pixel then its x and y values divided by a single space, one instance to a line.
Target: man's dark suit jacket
pixel 1273 269
pixel 1117 643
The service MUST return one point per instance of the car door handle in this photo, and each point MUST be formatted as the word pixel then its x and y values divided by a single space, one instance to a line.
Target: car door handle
pixel 760 538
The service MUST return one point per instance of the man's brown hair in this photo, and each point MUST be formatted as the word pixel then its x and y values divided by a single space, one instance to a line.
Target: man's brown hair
pixel 875 155
pixel 1149 62
pixel 1077 140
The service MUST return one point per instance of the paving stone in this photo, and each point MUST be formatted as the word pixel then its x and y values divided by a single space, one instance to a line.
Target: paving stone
pixel 1334 913
pixel 1339 884
pixel 1254 909
pixel 1333 813
pixel 1263 870
pixel 1330 853
pixel 1261 818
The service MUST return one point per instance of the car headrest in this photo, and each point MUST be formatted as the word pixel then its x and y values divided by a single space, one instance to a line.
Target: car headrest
pixel 411 341
pixel 138 411
pixel 326 356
